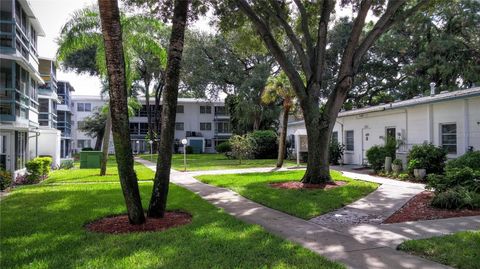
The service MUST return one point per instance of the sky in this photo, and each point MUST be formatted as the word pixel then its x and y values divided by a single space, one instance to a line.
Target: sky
pixel 52 14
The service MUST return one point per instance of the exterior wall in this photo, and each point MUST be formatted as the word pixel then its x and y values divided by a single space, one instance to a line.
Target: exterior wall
pixel 49 144
pixel 413 125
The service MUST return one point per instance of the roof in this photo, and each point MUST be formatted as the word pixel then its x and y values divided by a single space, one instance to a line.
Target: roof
pixel 441 97
pixel 180 100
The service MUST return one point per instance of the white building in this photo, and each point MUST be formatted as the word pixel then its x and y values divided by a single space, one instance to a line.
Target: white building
pixel 19 80
pixel 203 123
pixel 449 119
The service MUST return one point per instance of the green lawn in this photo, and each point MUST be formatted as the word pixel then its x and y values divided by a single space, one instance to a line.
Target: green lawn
pixel 460 250
pixel 201 162
pixel 305 204
pixel 42 227
pixel 77 175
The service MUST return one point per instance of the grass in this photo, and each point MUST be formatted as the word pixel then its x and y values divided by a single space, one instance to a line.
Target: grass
pixel 42 227
pixel 305 204
pixel 202 162
pixel 459 250
pixel 77 175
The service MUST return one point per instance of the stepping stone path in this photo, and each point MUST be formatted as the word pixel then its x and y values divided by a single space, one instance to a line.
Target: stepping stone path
pixel 351 235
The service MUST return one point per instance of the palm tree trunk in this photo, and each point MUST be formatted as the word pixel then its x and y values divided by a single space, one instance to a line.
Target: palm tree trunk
pixel 105 145
pixel 158 201
pixel 283 137
pixel 149 111
pixel 112 37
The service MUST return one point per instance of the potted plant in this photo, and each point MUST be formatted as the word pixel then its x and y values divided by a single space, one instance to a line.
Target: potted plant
pixel 419 172
pixel 397 166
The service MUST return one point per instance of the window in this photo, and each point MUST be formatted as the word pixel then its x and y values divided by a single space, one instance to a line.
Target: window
pixel 83 143
pixel 179 126
pixel 335 137
pixel 205 126
pixel 349 140
pixel 81 124
pixel 222 127
pixel 449 137
pixel 220 110
pixel 84 107
pixel 208 143
pixel 205 110
pixel 180 109
pixel 133 128
pixel 143 128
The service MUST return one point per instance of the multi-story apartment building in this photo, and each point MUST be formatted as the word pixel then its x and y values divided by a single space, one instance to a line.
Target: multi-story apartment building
pixel 64 117
pixel 19 80
pixel 203 123
pixel 49 135
pixel 83 106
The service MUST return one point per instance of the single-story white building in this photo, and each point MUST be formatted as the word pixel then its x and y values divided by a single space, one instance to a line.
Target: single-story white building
pixel 447 119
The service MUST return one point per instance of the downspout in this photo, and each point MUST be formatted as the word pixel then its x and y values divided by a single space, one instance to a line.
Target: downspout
pixel 341 130
pixel 37 134
pixel 466 126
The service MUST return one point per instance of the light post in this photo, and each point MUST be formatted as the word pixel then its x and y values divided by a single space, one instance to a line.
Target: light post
pixel 151 149
pixel 184 143
pixel 138 144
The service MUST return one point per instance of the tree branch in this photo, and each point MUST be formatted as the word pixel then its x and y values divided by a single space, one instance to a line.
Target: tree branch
pixel 305 28
pixel 389 18
pixel 274 48
pixel 321 45
pixel 279 16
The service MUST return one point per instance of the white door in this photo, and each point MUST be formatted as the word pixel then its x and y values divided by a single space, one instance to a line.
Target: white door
pixel 6 150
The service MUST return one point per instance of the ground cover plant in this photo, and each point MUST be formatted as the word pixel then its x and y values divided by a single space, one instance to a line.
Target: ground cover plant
pixel 43 227
pixel 202 162
pixel 459 250
pixel 303 203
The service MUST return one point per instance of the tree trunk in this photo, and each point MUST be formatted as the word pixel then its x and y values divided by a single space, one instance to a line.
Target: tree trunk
pixel 282 143
pixel 99 139
pixel 158 201
pixel 112 37
pixel 157 114
pixel 149 111
pixel 105 144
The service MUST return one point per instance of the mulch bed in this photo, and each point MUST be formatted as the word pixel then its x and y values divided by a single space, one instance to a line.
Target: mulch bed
pixel 419 208
pixel 120 224
pixel 296 185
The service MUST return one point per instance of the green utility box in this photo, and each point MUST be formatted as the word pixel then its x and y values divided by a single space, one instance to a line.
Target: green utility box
pixel 90 159
pixel 197 145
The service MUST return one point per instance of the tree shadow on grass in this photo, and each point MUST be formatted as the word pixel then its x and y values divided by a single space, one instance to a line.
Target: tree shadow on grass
pixel 42 226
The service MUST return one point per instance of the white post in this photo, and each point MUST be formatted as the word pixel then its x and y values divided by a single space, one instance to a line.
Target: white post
pixel 184 143
pixel 297 148
pixel 151 149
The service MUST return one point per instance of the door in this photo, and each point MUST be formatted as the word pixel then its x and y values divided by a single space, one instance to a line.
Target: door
pixel 390 134
pixel 6 151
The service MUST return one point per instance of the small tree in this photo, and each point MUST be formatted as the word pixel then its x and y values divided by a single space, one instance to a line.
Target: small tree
pixel 242 146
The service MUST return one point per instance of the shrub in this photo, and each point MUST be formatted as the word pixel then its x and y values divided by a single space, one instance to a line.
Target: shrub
pixel 38 169
pixel 189 149
pixel 66 164
pixel 397 162
pixel 470 159
pixel 449 199
pixel 242 146
pixel 5 179
pixel 390 148
pixel 266 144
pixel 223 147
pixel 455 177
pixel 335 152
pixel 376 157
pixel 429 157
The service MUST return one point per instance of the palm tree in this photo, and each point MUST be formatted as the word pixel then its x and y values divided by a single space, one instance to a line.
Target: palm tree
pixel 278 89
pixel 117 82
pixel 140 35
pixel 158 200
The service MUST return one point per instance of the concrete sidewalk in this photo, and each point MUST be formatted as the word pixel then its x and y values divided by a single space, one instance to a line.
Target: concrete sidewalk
pixel 360 246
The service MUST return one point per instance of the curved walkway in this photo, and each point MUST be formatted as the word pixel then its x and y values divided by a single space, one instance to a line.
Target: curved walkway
pixel 365 245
